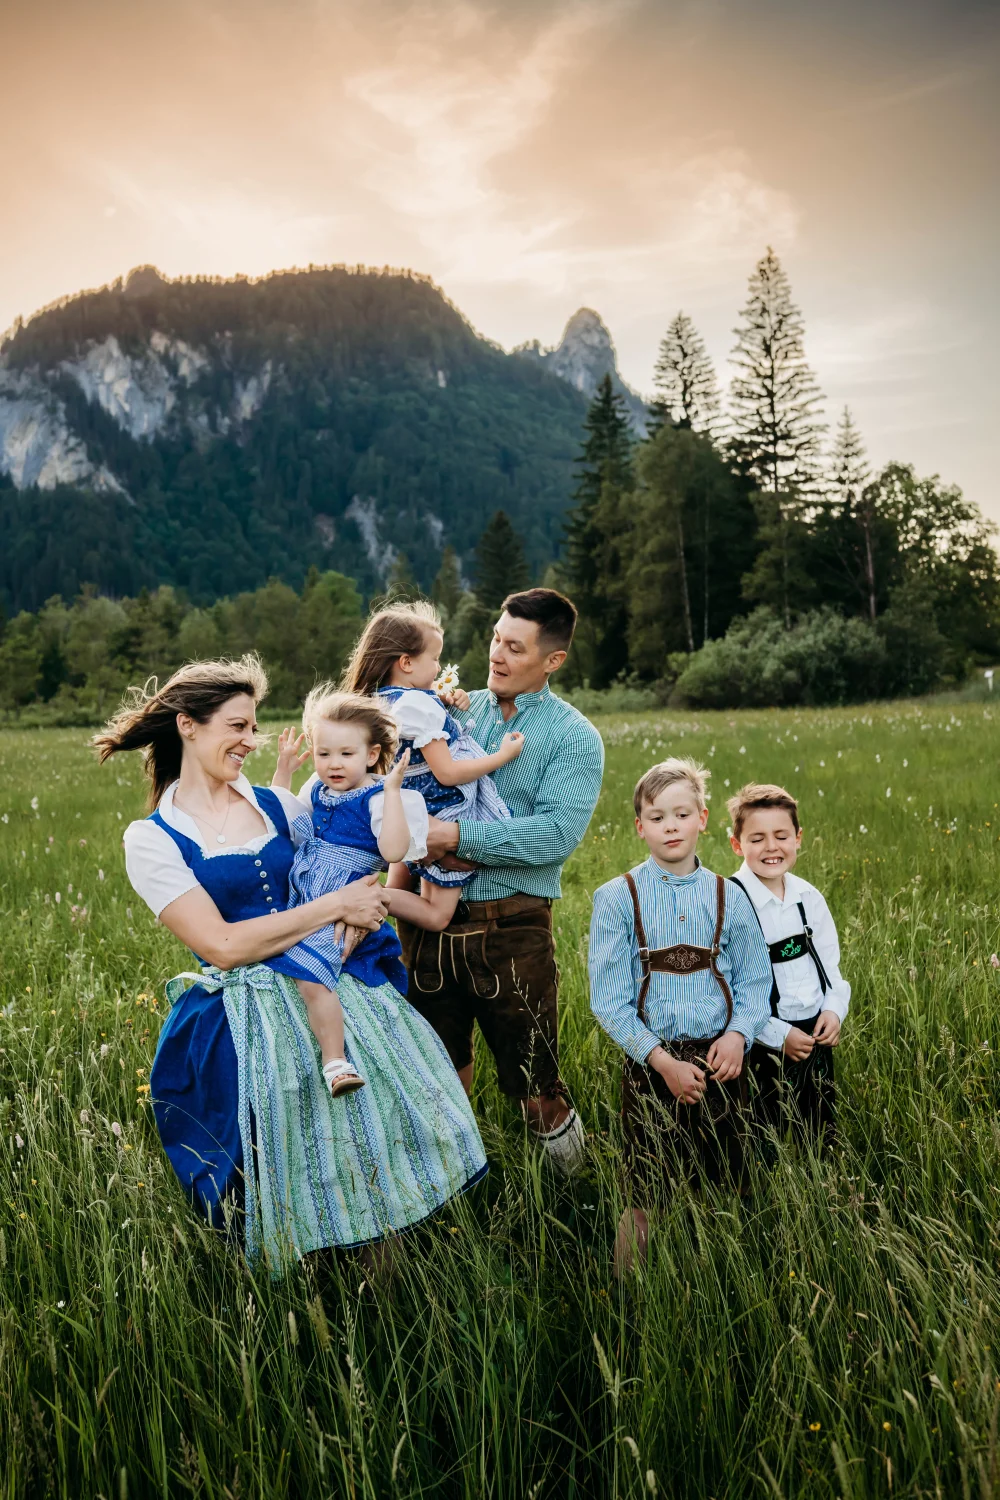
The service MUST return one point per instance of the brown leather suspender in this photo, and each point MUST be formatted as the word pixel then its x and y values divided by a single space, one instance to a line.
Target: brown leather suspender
pixel 681 958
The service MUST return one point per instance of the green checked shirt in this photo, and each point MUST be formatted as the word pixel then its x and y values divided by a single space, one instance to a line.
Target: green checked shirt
pixel 551 789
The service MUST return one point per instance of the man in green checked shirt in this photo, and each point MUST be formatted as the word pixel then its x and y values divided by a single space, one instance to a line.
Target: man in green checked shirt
pixel 496 962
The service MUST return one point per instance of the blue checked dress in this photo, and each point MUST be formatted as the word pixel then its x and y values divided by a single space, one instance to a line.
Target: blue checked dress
pixel 237 1079
pixel 421 717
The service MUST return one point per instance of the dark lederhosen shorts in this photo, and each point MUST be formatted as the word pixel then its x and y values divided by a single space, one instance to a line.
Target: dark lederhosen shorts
pixel 495 964
pixel 797 1094
pixel 666 1140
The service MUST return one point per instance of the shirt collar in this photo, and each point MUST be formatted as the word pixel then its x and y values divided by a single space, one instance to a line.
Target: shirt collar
pixel 759 893
pixel 523 699
pixel 658 873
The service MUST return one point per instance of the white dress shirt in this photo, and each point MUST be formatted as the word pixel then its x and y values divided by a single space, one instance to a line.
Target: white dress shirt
pixel 799 990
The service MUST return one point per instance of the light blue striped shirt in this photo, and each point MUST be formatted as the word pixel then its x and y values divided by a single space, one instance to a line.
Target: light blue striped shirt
pixel 677 1005
pixel 551 789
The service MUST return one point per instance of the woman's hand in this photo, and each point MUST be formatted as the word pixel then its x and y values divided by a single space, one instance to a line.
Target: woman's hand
pixel 289 758
pixel 394 778
pixel 360 904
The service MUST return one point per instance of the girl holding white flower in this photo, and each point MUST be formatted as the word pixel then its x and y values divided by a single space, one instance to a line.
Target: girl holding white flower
pixel 399 658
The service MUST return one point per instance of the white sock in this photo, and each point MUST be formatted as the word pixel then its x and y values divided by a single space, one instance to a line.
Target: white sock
pixel 565 1145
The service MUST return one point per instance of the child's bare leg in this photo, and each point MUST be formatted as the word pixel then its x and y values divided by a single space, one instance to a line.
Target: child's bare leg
pixel 326 1020
pixel 399 879
pixel 433 909
pixel 631 1241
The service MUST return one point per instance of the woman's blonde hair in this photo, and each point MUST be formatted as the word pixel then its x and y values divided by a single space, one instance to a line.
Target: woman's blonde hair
pixel 326 703
pixel 398 630
pixel 147 719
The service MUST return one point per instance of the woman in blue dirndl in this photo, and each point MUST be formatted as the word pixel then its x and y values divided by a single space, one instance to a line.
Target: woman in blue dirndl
pixel 236 1078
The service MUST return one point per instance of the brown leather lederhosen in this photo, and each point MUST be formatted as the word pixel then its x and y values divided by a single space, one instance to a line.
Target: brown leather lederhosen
pixel 713 1128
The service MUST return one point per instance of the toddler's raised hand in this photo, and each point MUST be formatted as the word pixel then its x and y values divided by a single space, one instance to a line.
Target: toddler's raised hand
pixel 394 778
pixel 511 745
pixel 290 759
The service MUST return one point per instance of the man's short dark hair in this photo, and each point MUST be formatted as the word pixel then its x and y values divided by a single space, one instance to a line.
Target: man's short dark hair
pixel 552 612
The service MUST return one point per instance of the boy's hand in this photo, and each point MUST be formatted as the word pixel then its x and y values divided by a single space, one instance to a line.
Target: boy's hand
pixel 511 745
pixel 684 1080
pixel 799 1044
pixel 827 1032
pixel 725 1056
pixel 394 778
pixel 290 759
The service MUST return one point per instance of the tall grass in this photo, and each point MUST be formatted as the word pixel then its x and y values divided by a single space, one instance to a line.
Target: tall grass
pixel 831 1335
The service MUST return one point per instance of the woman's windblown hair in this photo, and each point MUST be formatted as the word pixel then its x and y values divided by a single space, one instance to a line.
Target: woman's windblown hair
pixel 398 630
pixel 147 719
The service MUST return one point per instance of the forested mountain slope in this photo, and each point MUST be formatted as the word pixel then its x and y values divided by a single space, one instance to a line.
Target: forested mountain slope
pixel 211 434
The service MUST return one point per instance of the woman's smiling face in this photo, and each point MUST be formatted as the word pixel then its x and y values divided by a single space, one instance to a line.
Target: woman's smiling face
pixel 223 742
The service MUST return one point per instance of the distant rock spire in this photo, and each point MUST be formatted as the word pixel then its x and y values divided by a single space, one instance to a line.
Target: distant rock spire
pixel 583 356
pixel 143 281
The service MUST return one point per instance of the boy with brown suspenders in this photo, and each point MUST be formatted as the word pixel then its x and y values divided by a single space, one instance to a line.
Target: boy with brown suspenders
pixel 680 978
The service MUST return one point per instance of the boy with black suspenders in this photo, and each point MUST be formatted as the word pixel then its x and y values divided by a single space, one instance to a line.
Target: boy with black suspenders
pixel 791 1061
pixel 679 978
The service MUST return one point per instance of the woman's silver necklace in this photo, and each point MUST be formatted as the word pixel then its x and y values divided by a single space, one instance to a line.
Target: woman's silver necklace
pixel 220 833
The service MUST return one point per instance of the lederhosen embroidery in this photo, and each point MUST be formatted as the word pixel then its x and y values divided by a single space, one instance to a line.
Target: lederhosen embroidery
pixel 684 959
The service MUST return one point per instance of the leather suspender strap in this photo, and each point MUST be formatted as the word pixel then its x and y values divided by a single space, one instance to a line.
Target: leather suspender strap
pixel 640 933
pixel 720 899
pixel 824 981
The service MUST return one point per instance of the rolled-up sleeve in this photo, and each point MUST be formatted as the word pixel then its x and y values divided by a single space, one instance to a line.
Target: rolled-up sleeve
pixel 750 973
pixel 611 961
pixel 564 805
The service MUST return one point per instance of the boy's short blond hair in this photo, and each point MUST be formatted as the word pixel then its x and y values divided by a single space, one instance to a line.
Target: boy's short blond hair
pixel 760 794
pixel 667 773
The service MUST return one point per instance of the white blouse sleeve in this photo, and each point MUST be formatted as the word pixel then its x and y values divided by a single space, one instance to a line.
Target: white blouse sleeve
pixel 298 811
pixel 415 811
pixel 421 718
pixel 155 866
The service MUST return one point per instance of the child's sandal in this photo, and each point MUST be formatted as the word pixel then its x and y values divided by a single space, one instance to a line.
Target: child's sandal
pixel 342 1077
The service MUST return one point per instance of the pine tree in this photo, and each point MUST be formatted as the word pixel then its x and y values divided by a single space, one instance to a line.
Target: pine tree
pixel 776 427
pixel 686 386
pixel 850 473
pixel 401 583
pixel 500 565
pixel 446 589
pixel 593 537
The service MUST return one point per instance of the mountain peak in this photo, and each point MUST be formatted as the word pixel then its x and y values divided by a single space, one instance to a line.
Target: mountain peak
pixel 584 355
pixel 143 281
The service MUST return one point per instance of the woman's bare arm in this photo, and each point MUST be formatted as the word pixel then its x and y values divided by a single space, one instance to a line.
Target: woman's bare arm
pixel 197 921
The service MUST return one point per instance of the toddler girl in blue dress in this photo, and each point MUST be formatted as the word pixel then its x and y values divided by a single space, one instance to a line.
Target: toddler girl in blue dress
pixel 398 660
pixel 361 821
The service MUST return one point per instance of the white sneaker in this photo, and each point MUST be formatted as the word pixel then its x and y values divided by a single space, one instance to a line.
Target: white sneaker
pixel 566 1145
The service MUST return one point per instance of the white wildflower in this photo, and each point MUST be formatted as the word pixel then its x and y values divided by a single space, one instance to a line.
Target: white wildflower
pixel 18 1142
pixel 116 1129
pixel 100 874
pixel 85 1117
pixel 105 1049
pixel 448 680
pixel 743 749
pixel 58 897
pixel 888 791
pixel 862 828
pixel 34 804
pixel 61 1303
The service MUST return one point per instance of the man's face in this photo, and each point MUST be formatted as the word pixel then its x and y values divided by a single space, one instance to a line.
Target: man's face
pixel 670 825
pixel 518 663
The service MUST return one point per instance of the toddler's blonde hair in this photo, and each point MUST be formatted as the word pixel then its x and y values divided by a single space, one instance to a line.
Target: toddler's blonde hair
pixel 326 703
pixel 667 773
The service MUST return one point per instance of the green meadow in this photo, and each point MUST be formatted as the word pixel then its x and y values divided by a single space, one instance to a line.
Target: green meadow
pixel 833 1334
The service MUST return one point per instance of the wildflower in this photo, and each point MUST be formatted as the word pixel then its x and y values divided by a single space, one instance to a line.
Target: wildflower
pixel 100 874
pixel 58 897
pixel 815 1426
pixel 888 791
pixel 862 828
pixel 83 843
pixel 142 1088
pixel 61 1303
pixel 34 804
pixel 51 838
pixel 77 914
pixel 743 749
pixel 886 1426
pixel 905 762
pixel 994 961
pixel 116 1129
pixel 84 1117
pixel 448 680
pixel 18 1142
pixel 5 819
pixel 105 1049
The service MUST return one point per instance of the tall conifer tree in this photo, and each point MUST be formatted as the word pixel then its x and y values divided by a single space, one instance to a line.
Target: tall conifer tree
pixel 500 565
pixel 850 473
pixel 687 390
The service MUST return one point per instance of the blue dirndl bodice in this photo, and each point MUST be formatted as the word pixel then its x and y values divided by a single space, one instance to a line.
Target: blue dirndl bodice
pixel 342 849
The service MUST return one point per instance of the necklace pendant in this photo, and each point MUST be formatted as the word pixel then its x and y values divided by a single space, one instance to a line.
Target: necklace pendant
pixel 220 838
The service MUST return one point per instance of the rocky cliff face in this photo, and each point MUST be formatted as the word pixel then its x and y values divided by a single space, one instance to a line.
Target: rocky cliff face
pixel 583 356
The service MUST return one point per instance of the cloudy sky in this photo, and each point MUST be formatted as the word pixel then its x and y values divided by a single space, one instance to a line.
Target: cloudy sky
pixel 533 156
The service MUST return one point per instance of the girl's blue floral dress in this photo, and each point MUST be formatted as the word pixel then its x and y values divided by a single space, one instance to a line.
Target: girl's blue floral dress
pixel 421 717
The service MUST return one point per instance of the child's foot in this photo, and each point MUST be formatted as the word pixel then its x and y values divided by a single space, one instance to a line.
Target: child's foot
pixel 342 1077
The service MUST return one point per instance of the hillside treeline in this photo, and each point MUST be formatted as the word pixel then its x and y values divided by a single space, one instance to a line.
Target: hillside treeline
pixel 737 557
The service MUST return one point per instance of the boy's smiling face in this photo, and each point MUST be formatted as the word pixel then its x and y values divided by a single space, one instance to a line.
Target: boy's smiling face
pixel 769 842
pixel 670 825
